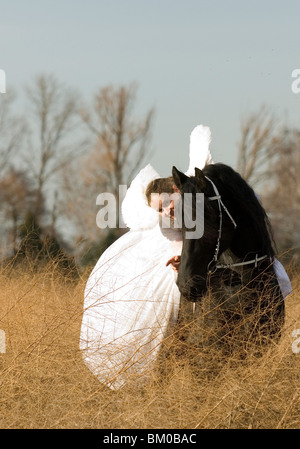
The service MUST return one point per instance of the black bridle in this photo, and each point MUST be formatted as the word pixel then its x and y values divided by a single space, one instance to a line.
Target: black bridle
pixel 221 206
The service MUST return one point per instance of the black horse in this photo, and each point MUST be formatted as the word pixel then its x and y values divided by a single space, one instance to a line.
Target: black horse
pixel 232 262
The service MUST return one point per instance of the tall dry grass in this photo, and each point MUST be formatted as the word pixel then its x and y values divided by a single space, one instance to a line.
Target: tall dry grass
pixel 45 384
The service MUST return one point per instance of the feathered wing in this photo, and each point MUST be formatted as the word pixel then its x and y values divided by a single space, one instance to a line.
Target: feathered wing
pixel 200 155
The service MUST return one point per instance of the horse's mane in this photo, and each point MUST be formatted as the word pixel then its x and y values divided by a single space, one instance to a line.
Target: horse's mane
pixel 238 195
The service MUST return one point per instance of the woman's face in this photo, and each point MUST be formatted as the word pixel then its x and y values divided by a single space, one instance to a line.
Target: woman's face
pixel 167 206
pixel 163 204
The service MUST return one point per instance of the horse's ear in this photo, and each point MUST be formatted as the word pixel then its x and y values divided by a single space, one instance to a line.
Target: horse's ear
pixel 179 177
pixel 200 176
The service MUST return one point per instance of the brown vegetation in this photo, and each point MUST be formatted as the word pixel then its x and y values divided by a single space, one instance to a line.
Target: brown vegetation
pixel 45 384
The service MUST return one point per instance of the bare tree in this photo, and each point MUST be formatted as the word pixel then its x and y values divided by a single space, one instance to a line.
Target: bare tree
pixel 13 185
pixel 257 145
pixel 16 199
pixel 120 142
pixel 12 133
pixel 282 192
pixel 269 159
pixel 53 126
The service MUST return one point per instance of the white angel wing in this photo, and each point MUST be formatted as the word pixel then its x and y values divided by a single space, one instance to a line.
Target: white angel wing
pixel 200 139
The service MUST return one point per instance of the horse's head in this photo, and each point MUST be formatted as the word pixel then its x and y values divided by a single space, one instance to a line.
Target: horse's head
pixel 202 245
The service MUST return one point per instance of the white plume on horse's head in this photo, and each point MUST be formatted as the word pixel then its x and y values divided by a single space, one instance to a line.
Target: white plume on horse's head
pixel 200 139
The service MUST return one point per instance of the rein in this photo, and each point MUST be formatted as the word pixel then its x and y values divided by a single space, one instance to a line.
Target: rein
pixel 221 205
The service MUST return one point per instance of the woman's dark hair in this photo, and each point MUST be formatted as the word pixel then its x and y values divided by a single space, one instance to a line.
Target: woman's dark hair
pixel 159 185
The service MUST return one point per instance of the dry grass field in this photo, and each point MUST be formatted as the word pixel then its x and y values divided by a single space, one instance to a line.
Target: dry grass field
pixel 45 384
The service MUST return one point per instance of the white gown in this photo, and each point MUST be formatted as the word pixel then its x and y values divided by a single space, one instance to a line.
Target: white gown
pixel 131 297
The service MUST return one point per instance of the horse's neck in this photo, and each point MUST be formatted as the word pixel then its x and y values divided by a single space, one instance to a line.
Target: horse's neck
pixel 246 245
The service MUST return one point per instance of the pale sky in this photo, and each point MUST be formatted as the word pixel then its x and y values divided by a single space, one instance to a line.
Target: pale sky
pixel 195 61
